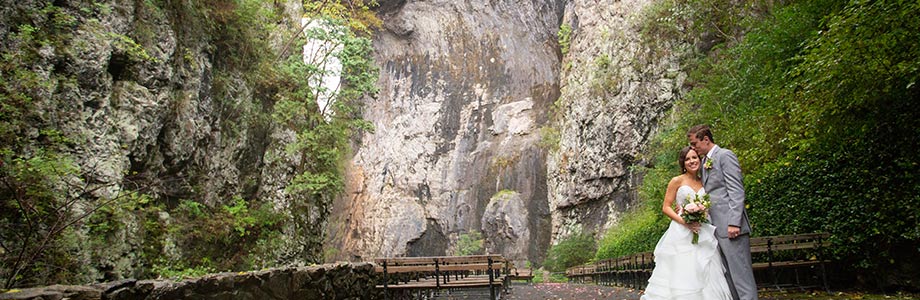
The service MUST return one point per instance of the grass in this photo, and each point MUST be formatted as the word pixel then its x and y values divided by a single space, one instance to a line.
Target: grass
pixel 819 295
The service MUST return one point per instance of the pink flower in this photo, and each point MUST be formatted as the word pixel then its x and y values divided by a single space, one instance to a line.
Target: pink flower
pixel 695 211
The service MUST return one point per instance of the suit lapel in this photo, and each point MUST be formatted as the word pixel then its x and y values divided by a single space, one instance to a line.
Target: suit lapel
pixel 709 156
pixel 705 175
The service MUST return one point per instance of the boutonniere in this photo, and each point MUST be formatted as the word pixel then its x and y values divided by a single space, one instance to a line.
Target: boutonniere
pixel 708 164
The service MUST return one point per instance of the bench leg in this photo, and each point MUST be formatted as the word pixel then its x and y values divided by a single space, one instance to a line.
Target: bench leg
pixel 824 279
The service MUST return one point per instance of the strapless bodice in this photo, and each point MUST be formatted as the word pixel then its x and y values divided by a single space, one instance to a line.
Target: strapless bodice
pixel 684 191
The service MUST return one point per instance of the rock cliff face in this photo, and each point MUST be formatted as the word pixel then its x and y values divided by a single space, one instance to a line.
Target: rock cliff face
pixel 465 87
pixel 134 84
pixel 615 88
pixel 469 90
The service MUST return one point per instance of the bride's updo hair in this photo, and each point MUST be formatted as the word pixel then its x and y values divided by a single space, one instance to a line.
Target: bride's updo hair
pixel 682 157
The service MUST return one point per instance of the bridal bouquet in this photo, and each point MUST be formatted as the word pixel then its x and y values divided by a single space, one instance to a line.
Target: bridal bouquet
pixel 695 211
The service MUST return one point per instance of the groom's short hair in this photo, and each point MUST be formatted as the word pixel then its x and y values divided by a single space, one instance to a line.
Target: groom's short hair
pixel 700 131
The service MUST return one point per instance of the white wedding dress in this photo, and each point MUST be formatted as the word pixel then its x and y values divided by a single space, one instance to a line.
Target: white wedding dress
pixel 684 270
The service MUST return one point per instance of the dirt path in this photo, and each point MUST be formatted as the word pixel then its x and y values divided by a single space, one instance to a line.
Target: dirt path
pixel 566 291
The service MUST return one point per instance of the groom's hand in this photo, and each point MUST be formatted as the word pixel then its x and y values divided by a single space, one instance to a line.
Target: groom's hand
pixel 733 231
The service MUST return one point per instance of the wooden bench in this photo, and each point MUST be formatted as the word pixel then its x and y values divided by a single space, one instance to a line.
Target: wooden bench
pixel 576 274
pixel 520 274
pixel 794 251
pixel 433 274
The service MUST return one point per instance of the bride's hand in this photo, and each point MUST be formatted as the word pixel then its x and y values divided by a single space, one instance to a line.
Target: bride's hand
pixel 694 226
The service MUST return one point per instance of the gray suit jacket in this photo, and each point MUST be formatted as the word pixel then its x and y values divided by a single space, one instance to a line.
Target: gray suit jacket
pixel 725 186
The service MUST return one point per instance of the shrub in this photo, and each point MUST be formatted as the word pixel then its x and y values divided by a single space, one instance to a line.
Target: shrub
pixel 565 38
pixel 470 243
pixel 855 187
pixel 638 232
pixel 575 250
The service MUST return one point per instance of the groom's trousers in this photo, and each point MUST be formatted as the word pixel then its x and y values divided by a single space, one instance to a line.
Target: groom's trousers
pixel 736 257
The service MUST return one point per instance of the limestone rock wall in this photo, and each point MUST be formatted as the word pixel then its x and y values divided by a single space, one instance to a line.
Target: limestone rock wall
pixel 505 221
pixel 134 84
pixel 467 90
pixel 465 87
pixel 615 89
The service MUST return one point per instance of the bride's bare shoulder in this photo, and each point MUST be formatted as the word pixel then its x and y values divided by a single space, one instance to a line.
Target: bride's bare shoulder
pixel 676 181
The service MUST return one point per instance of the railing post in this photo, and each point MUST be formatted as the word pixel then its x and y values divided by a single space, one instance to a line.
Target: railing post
pixel 599 270
pixel 770 262
pixel 506 281
pixel 437 274
pixel 821 255
pixel 634 271
pixel 491 280
pixel 386 292
pixel 508 273
pixel 645 262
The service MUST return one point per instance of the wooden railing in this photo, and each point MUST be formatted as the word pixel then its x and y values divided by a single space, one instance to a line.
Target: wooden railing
pixel 626 271
pixel 771 254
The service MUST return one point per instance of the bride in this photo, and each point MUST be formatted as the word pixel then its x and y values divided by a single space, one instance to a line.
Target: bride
pixel 684 270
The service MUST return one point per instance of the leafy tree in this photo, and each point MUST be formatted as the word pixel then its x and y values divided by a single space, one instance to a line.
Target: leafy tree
pixel 322 119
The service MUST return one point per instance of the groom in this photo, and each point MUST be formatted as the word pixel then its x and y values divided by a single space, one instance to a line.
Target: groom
pixel 722 180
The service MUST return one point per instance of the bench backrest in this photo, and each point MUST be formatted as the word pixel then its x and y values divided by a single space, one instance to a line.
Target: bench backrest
pixel 394 265
pixel 788 242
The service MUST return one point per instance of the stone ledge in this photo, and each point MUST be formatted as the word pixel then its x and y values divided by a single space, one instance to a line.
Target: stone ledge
pixel 328 281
